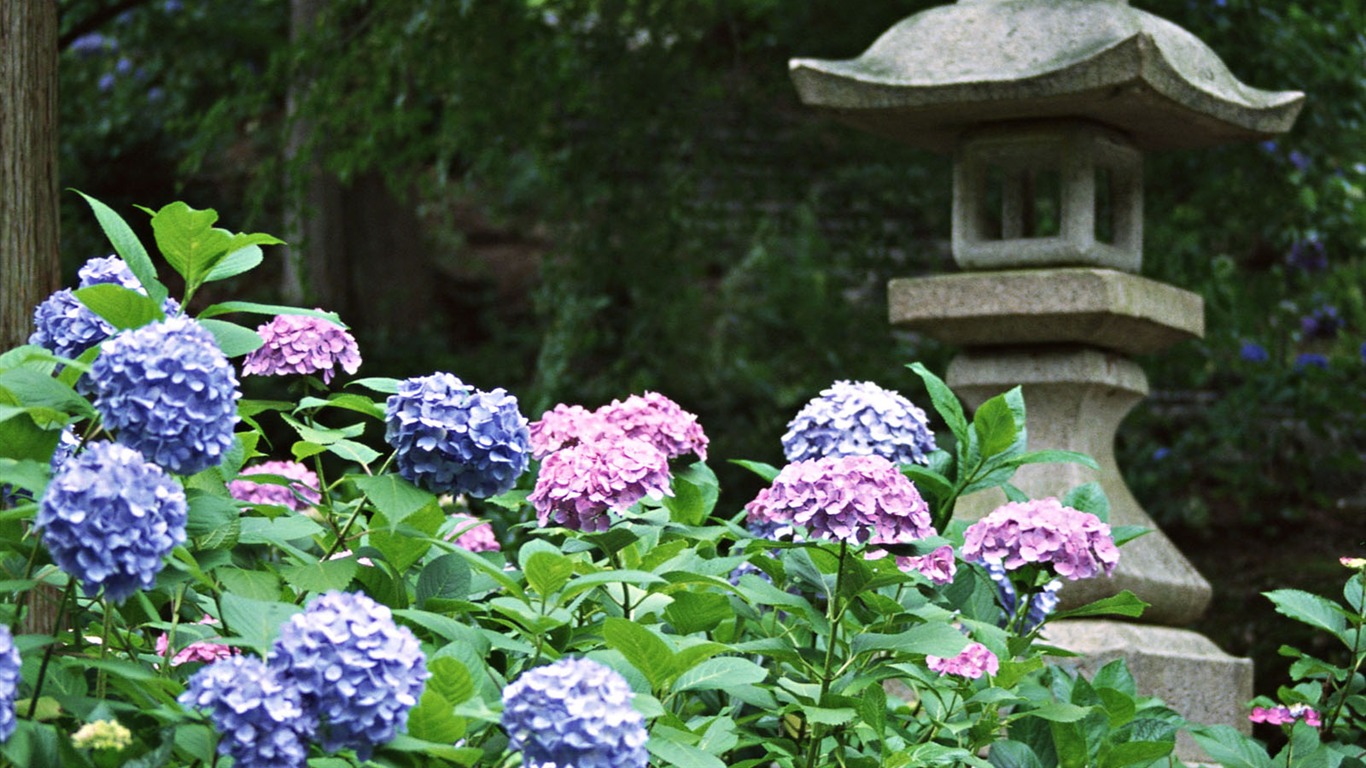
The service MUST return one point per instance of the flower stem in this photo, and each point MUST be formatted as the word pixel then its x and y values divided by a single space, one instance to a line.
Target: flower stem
pixel 834 612
pixel 67 597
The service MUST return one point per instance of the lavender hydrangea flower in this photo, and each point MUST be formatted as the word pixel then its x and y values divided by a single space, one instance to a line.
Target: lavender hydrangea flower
pixel 1041 604
pixel 259 715
pixel 479 538
pixel 658 420
pixel 298 495
pixel 1283 715
pixel 1322 323
pixel 357 672
pixel 938 566
pixel 566 425
pixel 449 437
pixel 302 344
pixel 9 682
pixel 578 485
pixel 972 662
pixel 169 392
pixel 67 328
pixel 859 419
pixel 1311 360
pixel 858 499
pixel 109 269
pixel 1071 543
pixel 1253 352
pixel 110 517
pixel 574 712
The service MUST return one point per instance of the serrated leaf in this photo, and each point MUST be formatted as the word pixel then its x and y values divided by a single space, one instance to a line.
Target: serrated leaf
pixel 235 263
pixel 1229 748
pixel 547 572
pixel 207 513
pixel 1311 609
pixel 720 673
pixel 1126 603
pixel 451 679
pixel 322 576
pixel 255 622
pixel 945 402
pixel 927 481
pixel 351 450
pixel 680 755
pixel 119 306
pixel 251 307
pixel 434 720
pixel 1059 712
pixel 1089 497
pixel 995 426
pixel 128 247
pixel 279 531
pixel 697 611
pixel 189 241
pixel 445 578
pixel 395 497
pixel 645 650
pixel 1052 457
pixel 233 339
pixel 930 638
pixel 765 471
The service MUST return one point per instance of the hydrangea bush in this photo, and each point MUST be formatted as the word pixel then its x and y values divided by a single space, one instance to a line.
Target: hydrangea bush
pixel 199 573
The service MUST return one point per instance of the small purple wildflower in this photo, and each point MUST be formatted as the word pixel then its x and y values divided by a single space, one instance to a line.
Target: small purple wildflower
pixel 106 82
pixel 580 484
pixel 109 518
pixel 972 662
pixel 357 672
pixel 259 714
pixel 574 712
pixel 1161 453
pixel 859 418
pixel 302 344
pixel 1073 544
pixel 298 495
pixel 858 499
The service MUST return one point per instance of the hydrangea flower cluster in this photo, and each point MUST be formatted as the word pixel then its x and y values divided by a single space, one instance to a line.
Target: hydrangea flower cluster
pixel 108 269
pixel 859 418
pixel 938 566
pixel 1308 255
pixel 1283 715
pixel 449 437
pixel 109 517
pixel 574 712
pixel 102 734
pixel 562 426
pixel 169 392
pixel 1073 544
pixel 858 499
pixel 578 485
pixel 357 672
pixel 67 328
pixel 298 495
pixel 302 344
pixel 1041 604
pixel 259 715
pixel 201 651
pixel 651 417
pixel 480 538
pixel 9 682
pixel 1253 352
pixel 1322 323
pixel 972 662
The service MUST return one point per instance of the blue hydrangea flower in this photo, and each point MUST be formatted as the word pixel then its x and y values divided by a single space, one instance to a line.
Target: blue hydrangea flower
pixel 859 419
pixel 358 673
pixel 1311 360
pixel 1308 255
pixel 109 269
pixel 110 517
pixel 1040 606
pixel 575 712
pixel 449 437
pixel 1253 352
pixel 65 327
pixel 259 716
pixel 168 391
pixel 1322 323
pixel 9 682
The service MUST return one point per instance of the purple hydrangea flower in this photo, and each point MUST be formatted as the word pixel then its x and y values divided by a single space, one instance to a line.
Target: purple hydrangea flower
pixel 92 43
pixel 109 269
pixel 938 566
pixel 259 715
pixel 858 499
pixel 302 344
pixel 972 662
pixel 574 712
pixel 658 420
pixel 169 392
pixel 1043 603
pixel 449 437
pixel 1299 160
pixel 479 538
pixel 1283 715
pixel 67 328
pixel 1073 544
pixel 1322 323
pixel 9 682
pixel 578 485
pixel 357 672
pixel 110 517
pixel 566 425
pixel 298 495
pixel 1253 352
pixel 1308 255
pixel 859 418
pixel 1311 360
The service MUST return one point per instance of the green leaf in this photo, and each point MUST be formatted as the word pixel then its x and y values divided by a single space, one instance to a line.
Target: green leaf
pixel 434 719
pixel 697 611
pixel 251 307
pixel 235 263
pixel 322 576
pixel 873 709
pixel 189 241
pixel 1089 497
pixel 687 505
pixel 28 474
pixel 1311 609
pixel 625 576
pixel 995 426
pixel 451 679
pixel 680 755
pixel 1136 753
pixel 927 481
pixel 208 514
pixel 1229 748
pixel 1059 712
pixel 1126 603
pixel 351 450
pixel 930 638
pixel 383 386
pixel 279 531
pixel 945 402
pixel 30 389
pixel 255 622
pixel 392 495
pixel 547 572
pixel 128 247
pixel 765 471
pixel 827 716
pixel 1123 534
pixel 720 673
pixel 256 585
pixel 445 578
pixel 1052 457
pixel 1012 754
pixel 645 650
pixel 404 544
pixel 233 339
pixel 118 305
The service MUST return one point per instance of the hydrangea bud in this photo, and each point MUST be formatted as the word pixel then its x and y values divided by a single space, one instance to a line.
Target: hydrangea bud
pixel 168 391
pixel 109 518
pixel 574 712
pixel 449 437
pixel 859 418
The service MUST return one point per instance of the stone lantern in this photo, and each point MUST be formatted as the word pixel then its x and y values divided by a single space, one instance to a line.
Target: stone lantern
pixel 1047 107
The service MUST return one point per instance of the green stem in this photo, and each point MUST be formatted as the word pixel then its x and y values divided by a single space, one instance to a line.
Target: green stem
pixel 1359 657
pixel 834 612
pixel 104 650
pixel 67 597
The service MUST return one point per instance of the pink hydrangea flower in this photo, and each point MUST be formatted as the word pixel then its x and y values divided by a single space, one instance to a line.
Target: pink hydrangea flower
pixel 480 538
pixel 938 566
pixel 1076 545
pixel 566 425
pixel 1353 562
pixel 298 495
pixel 659 420
pixel 302 344
pixel 201 651
pixel 972 662
pixel 1283 715
pixel 858 499
pixel 579 484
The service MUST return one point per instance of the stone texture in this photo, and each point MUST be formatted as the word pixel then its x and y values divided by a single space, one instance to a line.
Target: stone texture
pixel 947 69
pixel 1187 671
pixel 1100 307
pixel 1075 398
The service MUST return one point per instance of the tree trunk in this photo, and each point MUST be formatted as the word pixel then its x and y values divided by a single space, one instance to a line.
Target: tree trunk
pixel 29 265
